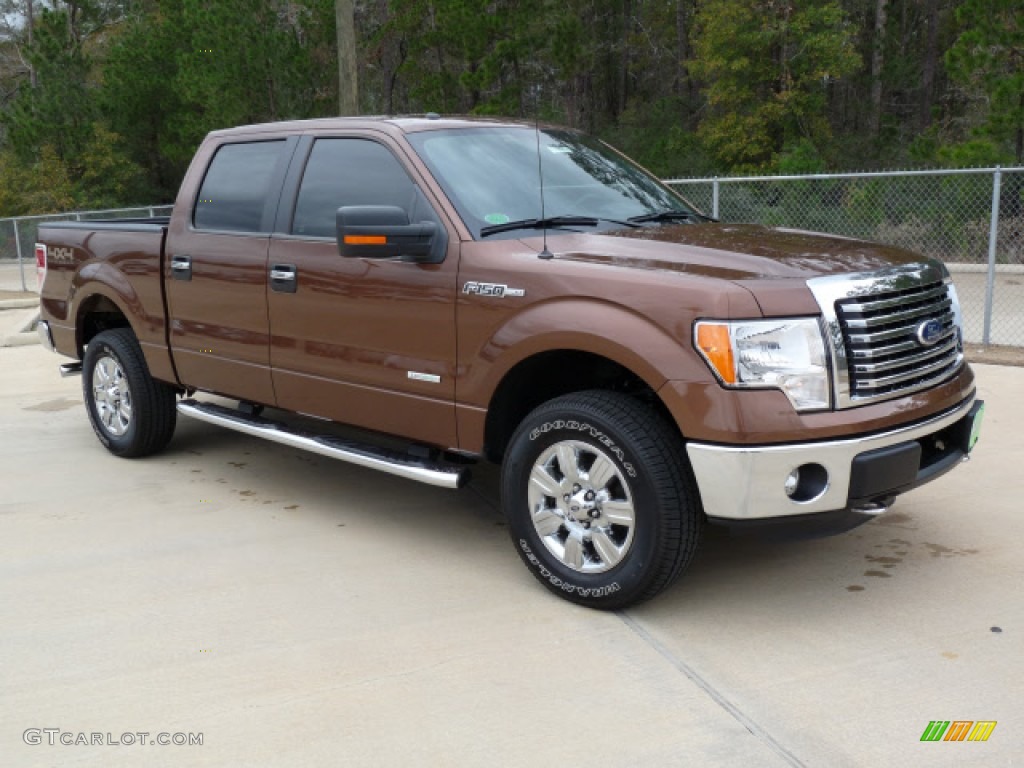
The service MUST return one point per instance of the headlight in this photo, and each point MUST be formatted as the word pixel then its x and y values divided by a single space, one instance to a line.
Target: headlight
pixel 781 353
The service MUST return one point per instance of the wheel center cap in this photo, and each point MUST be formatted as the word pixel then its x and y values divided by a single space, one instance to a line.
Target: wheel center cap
pixel 580 505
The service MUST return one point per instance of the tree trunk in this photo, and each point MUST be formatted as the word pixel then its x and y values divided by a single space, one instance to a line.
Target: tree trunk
pixel 348 83
pixel 931 55
pixel 682 51
pixel 877 62
pixel 30 19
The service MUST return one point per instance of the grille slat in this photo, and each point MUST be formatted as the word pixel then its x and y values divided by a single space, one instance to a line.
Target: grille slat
pixel 897 317
pixel 904 361
pixel 880 335
pixel 898 301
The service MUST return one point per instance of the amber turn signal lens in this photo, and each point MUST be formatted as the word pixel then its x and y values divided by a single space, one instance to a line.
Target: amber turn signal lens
pixel 366 240
pixel 713 341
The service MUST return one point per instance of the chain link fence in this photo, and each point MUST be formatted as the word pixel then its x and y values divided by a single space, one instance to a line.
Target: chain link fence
pixel 971 219
pixel 18 235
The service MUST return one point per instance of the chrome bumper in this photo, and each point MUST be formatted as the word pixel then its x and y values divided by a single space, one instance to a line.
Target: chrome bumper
pixel 747 483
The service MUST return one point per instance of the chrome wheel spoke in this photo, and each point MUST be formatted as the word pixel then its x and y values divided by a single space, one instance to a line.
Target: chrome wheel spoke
pixel 574 553
pixel 545 483
pixel 618 512
pixel 601 473
pixel 547 522
pixel 568 462
pixel 606 548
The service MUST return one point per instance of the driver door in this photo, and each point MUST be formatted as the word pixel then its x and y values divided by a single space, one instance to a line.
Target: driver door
pixel 369 342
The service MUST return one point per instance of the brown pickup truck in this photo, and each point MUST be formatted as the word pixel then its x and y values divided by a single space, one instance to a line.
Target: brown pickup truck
pixel 454 290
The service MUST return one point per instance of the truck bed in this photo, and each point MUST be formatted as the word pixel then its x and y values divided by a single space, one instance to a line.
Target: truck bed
pixel 121 259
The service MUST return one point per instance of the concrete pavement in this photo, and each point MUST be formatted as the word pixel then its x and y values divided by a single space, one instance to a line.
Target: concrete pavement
pixel 297 611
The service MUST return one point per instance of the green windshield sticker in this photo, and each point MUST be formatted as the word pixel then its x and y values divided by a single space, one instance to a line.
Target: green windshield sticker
pixel 497 218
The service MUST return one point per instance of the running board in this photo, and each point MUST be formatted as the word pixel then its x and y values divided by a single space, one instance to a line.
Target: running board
pixel 392 462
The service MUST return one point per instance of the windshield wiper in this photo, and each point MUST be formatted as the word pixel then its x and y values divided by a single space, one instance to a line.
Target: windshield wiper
pixel 551 221
pixel 670 216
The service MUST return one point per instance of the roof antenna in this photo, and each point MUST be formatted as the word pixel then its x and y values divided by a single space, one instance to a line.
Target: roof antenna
pixel 544 254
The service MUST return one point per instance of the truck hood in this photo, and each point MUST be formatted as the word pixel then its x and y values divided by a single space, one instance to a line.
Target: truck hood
pixel 729 251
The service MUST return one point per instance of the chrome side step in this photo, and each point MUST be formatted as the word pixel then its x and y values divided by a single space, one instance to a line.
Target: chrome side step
pixel 392 462
pixel 70 369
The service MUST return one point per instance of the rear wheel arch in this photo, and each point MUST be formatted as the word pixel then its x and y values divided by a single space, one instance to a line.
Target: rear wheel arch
pixel 96 314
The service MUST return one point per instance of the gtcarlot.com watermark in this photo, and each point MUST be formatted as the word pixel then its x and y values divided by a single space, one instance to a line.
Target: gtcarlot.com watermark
pixel 56 736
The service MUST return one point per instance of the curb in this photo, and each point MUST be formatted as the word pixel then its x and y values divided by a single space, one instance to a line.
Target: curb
pixel 23 332
pixel 1001 269
pixel 19 340
pixel 19 303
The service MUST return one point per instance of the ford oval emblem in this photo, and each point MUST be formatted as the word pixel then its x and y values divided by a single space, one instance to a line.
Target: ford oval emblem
pixel 928 332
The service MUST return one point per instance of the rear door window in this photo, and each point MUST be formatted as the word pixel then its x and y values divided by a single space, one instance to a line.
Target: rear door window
pixel 235 191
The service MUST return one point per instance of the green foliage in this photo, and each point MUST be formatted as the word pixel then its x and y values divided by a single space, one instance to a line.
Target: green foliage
pixel 102 176
pixel 105 176
pixel 989 54
pixel 191 66
pixel 139 98
pixel 653 136
pixel 800 157
pixel 43 184
pixel 122 91
pixel 60 111
pixel 767 66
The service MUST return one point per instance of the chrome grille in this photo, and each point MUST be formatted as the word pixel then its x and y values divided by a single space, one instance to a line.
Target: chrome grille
pixel 880 333
pixel 875 329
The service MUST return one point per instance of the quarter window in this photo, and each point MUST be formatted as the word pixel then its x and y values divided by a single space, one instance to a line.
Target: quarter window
pixel 237 184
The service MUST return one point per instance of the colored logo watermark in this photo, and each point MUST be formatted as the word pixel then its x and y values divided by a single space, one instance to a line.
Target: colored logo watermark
pixel 958 730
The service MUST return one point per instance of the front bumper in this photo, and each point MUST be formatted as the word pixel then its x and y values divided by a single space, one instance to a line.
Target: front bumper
pixel 841 481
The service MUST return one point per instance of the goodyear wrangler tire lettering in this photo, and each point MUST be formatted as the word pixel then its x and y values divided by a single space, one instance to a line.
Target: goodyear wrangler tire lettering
pixel 596 434
pixel 563 585
pixel 600 500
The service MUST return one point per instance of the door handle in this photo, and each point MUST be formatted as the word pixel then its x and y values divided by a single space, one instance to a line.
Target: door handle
pixel 283 278
pixel 181 267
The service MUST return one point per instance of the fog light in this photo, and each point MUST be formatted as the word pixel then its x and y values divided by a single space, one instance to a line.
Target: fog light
pixel 806 483
pixel 792 481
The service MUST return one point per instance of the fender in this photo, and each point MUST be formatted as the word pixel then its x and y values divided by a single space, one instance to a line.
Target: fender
pixel 600 327
pixel 603 328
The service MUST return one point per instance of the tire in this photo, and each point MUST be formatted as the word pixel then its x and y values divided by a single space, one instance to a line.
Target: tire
pixel 131 413
pixel 600 499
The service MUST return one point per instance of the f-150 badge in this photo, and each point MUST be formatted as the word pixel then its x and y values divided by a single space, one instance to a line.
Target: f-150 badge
pixel 497 290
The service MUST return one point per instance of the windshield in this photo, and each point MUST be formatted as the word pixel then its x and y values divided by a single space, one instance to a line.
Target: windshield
pixel 491 175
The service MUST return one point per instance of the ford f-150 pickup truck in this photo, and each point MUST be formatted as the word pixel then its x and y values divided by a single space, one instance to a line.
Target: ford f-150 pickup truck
pixel 455 290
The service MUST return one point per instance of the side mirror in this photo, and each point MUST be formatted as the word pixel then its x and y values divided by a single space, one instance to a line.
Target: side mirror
pixel 382 232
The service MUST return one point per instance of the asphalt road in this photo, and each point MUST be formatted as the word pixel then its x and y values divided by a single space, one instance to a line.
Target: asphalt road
pixel 301 612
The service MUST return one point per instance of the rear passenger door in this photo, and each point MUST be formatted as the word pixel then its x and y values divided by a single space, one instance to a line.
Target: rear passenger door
pixel 369 342
pixel 216 272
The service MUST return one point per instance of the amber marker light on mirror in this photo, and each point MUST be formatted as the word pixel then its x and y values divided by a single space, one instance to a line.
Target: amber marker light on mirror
pixel 714 343
pixel 366 240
